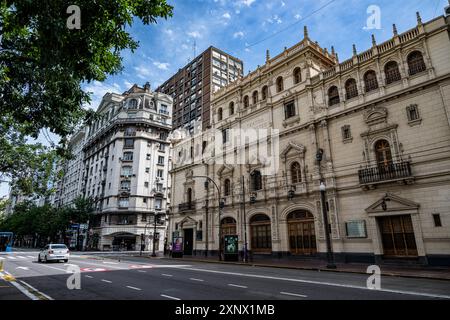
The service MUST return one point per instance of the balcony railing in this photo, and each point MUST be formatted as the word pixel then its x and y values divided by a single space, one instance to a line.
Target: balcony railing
pixel 381 173
pixel 186 206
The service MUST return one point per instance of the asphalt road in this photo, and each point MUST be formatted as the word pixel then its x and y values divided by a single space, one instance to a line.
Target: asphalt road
pixel 135 278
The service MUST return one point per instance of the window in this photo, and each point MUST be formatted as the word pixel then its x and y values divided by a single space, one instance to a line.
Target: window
pixel 231 108
pixel 351 89
pixel 346 133
pixel 392 72
pixel 146 184
pixel 124 202
pixel 297 75
pixel 160 173
pixel 280 84
pixel 147 170
pixel 144 200
pixel 130 131
pixel 227 187
pixel 133 104
pixel 256 180
pixel 127 156
pixel 162 147
pixel 296 173
pixel 125 185
pixel 246 102
pixel 225 135
pixel 127 171
pixel 144 215
pixel 264 93
pixel 161 160
pixel 219 114
pixel 370 81
pixel 333 96
pixel 159 187
pixel 383 153
pixel 129 143
pixel 289 110
pixel 437 220
pixel 412 112
pixel 255 97
pixel 158 203
pixel 416 63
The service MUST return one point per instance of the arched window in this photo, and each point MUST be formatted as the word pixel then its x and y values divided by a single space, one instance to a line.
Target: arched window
pixel 227 187
pixel 392 72
pixel 301 231
pixel 264 93
pixel 296 173
pixel 260 234
pixel 351 89
pixel 231 108
pixel 384 154
pixel 255 97
pixel 228 226
pixel 333 96
pixel 297 75
pixel 416 63
pixel 246 102
pixel 219 114
pixel 280 84
pixel 370 81
pixel 256 180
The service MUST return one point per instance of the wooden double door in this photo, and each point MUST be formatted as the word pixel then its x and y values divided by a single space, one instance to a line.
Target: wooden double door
pixel 302 234
pixel 397 236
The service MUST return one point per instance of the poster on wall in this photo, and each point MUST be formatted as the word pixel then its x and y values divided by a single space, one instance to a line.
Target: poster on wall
pixel 177 245
pixel 231 250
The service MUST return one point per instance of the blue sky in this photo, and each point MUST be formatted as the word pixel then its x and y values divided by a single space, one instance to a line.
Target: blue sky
pixel 246 28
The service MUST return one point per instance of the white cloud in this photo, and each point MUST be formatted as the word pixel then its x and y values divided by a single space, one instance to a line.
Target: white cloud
pixel 98 90
pixel 297 16
pixel 247 3
pixel 142 72
pixel 238 34
pixel 194 34
pixel 226 15
pixel 161 65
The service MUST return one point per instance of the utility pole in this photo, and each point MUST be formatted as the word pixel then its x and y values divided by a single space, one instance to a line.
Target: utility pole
pixel 245 219
pixel 206 226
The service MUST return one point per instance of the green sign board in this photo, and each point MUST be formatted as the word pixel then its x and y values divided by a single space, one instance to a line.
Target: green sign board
pixel 231 245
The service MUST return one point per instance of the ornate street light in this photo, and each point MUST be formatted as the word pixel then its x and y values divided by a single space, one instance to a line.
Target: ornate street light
pixel 330 255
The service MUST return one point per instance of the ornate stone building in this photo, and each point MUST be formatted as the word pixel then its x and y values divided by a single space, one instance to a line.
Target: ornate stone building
pixel 380 120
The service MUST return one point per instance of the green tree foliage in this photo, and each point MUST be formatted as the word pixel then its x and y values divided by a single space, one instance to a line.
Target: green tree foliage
pixel 43 65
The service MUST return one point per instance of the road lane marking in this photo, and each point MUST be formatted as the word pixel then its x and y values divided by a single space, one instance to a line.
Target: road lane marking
pixel 44 265
pixel 1 258
pixel 90 277
pixel 21 257
pixel 237 286
pixel 134 288
pixel 195 279
pixel 12 258
pixel 142 271
pixel 100 265
pixel 293 294
pixel 167 275
pixel 169 297
pixel 23 268
pixel 107 281
pixel 31 257
pixel 349 286
pixel 109 262
pixel 36 290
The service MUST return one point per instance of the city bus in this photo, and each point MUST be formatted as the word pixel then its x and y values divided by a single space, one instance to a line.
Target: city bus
pixel 6 241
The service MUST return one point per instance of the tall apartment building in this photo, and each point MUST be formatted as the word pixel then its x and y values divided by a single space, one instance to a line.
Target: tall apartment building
pixel 122 163
pixel 379 122
pixel 192 86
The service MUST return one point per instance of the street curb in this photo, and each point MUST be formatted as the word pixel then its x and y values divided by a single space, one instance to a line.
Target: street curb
pixel 303 268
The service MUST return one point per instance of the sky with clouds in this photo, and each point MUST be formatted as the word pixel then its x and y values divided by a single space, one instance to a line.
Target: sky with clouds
pixel 246 28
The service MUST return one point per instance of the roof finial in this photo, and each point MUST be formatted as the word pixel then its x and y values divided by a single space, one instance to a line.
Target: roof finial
pixel 332 51
pixel 267 55
pixel 337 57
pixel 374 42
pixel 419 19
pixel 305 32
pixel 394 29
pixel 354 50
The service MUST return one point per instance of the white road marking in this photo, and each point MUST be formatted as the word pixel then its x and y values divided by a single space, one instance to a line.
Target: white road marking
pixel 44 265
pixel 107 281
pixel 1 258
pixel 21 257
pixel 100 265
pixel 323 283
pixel 195 279
pixel 88 276
pixel 109 262
pixel 30 257
pixel 23 268
pixel 12 258
pixel 142 271
pixel 169 297
pixel 237 286
pixel 36 290
pixel 167 275
pixel 134 288
pixel 294 294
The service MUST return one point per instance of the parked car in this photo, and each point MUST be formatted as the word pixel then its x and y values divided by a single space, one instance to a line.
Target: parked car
pixel 54 252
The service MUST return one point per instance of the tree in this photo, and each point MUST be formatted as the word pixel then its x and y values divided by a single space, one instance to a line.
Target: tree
pixel 43 63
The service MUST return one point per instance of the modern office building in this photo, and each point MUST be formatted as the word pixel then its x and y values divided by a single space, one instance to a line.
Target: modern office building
pixel 192 86
pixel 371 133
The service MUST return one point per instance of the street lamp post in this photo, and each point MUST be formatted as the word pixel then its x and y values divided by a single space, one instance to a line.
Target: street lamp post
pixel 220 209
pixel 154 234
pixel 330 256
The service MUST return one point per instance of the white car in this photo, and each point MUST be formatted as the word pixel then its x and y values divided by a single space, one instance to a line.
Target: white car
pixel 54 252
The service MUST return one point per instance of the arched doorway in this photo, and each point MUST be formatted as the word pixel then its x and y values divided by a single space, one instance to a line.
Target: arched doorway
pixel 302 235
pixel 261 234
pixel 228 227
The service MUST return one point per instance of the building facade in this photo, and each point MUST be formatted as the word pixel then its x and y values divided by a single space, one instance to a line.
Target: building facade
pixel 192 86
pixel 380 124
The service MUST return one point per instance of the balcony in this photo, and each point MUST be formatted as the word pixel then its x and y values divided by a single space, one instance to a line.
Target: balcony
pixel 394 172
pixel 188 206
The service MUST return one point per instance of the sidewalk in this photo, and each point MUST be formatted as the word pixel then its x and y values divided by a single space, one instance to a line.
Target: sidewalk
pixel 438 273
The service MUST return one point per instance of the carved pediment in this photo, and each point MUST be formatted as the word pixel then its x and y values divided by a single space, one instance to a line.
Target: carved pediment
pixel 225 170
pixel 292 146
pixel 376 115
pixel 393 204
pixel 188 221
